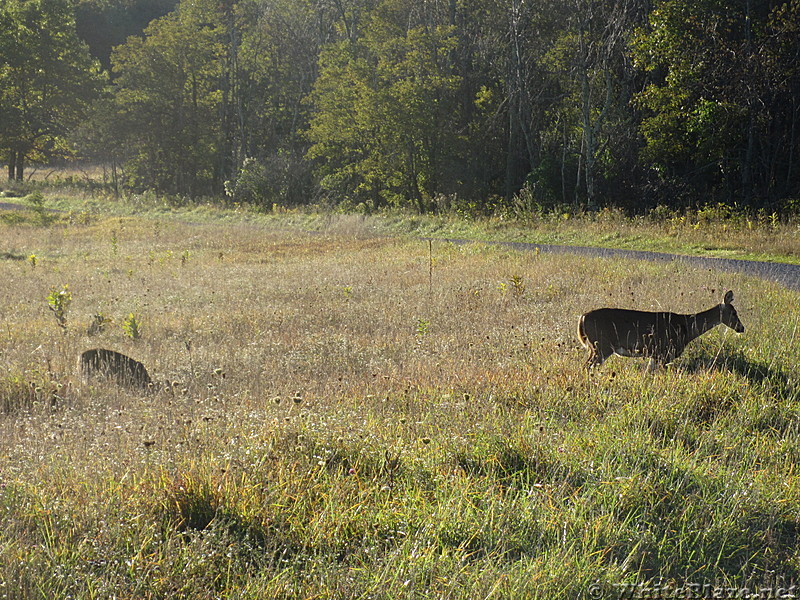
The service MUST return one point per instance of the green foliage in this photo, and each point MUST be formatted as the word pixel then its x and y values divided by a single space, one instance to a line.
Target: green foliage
pixel 58 301
pixel 517 284
pixel 251 185
pixel 132 326
pixel 98 324
pixel 208 86
pixel 476 108
pixel 36 199
pixel 47 80
pixel 709 102
pixel 104 24
pixel 423 327
pixel 279 180
pixel 385 116
pixel 168 96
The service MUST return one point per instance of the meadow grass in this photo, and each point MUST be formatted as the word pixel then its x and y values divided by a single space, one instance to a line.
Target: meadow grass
pixel 716 231
pixel 352 416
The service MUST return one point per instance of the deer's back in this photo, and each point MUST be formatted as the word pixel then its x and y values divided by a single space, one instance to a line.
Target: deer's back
pixel 113 365
pixel 634 330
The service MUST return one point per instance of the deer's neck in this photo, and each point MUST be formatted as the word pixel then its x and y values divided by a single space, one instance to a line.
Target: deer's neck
pixel 697 325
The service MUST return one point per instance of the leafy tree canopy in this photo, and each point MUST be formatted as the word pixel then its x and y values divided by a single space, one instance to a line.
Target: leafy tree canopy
pixel 47 80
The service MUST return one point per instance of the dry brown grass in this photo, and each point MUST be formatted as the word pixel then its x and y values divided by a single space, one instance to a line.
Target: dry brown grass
pixel 338 348
pixel 323 315
pixel 326 318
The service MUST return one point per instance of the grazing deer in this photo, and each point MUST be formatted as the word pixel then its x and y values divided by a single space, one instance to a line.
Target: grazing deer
pixel 659 336
pixel 114 366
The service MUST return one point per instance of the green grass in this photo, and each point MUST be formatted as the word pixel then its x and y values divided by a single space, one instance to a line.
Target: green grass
pixel 714 231
pixel 353 420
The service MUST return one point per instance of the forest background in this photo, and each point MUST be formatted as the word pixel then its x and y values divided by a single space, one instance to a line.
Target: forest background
pixel 468 105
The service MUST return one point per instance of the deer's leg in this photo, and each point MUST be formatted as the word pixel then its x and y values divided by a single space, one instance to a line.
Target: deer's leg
pixel 593 361
pixel 598 355
pixel 661 359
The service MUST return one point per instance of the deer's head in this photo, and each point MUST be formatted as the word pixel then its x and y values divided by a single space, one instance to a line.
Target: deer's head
pixel 728 314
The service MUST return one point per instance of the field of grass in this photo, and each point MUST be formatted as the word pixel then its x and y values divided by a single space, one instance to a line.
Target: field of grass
pixel 353 416
pixel 714 231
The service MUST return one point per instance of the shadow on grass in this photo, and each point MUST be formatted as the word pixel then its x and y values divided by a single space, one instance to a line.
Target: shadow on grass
pixel 777 410
pixel 736 362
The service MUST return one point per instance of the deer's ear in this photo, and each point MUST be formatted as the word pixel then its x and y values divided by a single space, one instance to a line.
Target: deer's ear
pixel 728 297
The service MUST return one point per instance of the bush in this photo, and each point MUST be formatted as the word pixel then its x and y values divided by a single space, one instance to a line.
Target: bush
pixel 281 179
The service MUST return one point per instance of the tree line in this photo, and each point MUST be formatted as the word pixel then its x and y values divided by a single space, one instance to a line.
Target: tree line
pixel 438 104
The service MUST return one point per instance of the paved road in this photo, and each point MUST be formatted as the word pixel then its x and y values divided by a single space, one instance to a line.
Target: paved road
pixel 13 206
pixel 785 274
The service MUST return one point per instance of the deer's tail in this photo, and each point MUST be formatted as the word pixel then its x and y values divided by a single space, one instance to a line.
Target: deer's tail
pixel 582 333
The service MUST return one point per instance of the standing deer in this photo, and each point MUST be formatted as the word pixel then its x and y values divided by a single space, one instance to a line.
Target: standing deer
pixel 659 336
pixel 114 366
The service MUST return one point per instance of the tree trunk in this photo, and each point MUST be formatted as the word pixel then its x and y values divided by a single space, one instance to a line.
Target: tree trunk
pixel 20 165
pixel 511 148
pixel 564 161
pixel 792 139
pixel 230 151
pixel 588 139
pixel 747 168
pixel 519 160
pixel 114 178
